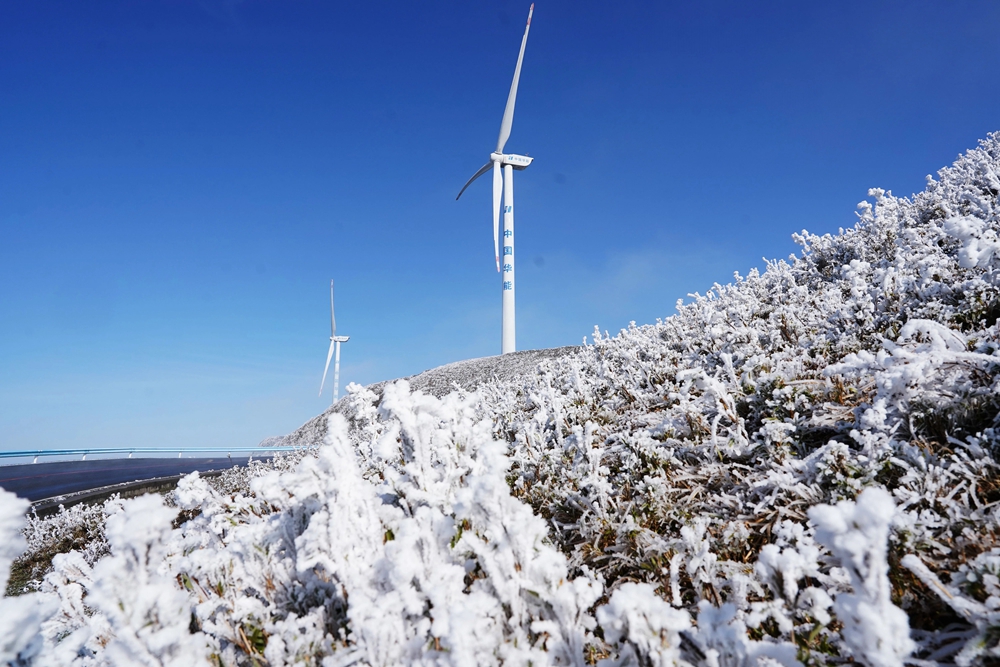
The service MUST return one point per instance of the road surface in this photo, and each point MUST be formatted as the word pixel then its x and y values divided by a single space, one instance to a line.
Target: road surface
pixel 37 481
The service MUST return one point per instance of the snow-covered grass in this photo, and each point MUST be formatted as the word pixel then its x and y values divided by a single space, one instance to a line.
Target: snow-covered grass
pixel 797 468
pixel 467 375
pixel 80 527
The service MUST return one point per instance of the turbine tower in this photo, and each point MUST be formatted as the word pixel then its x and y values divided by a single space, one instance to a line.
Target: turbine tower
pixel 335 342
pixel 505 183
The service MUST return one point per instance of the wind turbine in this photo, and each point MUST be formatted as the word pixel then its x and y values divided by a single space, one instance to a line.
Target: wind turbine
pixel 335 342
pixel 508 162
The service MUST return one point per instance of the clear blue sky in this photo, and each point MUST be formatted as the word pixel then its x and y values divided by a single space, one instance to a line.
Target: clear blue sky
pixel 180 180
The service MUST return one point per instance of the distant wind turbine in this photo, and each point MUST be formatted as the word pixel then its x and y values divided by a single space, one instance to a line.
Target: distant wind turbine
pixel 509 162
pixel 335 342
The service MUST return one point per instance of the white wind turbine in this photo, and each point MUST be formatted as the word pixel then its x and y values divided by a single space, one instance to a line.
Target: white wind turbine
pixel 509 162
pixel 335 342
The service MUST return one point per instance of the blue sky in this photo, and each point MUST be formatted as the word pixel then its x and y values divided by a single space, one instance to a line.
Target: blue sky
pixel 179 181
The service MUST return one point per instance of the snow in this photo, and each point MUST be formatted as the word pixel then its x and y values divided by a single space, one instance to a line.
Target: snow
pixel 797 468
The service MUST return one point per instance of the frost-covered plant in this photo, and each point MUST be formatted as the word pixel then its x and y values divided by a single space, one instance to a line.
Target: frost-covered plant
pixel 20 617
pixel 977 579
pixel 727 474
pixel 644 625
pixel 723 635
pixel 870 360
pixel 147 615
pixel 782 566
pixel 80 527
pixel 431 558
pixel 875 630
pixel 237 479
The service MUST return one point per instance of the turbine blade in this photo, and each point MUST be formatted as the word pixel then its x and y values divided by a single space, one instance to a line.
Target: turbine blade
pixel 497 189
pixel 333 320
pixel 486 167
pixel 329 355
pixel 508 112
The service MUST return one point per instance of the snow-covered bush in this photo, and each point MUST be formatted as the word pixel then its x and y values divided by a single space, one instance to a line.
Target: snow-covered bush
pixel 678 453
pixel 81 527
pixel 856 533
pixel 799 467
pixel 644 625
pixel 20 617
pixel 78 528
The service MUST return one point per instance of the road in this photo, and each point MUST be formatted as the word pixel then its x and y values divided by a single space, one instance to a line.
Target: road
pixel 37 481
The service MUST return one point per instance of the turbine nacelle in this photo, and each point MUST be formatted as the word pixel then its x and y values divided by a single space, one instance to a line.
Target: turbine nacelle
pixel 518 162
pixel 340 339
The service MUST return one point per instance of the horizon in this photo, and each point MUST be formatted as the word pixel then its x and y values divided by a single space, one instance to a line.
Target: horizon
pixel 181 182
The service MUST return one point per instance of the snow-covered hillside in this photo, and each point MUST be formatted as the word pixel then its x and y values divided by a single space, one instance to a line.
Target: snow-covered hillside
pixel 467 375
pixel 797 468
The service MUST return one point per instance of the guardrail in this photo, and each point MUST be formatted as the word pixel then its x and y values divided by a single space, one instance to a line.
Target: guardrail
pixel 83 453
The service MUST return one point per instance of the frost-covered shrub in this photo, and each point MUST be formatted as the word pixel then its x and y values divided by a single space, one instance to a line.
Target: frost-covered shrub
pixel 876 631
pixel 644 625
pixel 799 467
pixel 722 634
pixel 76 528
pixel 20 617
pixel 80 527
pixel 147 615
pixel 677 453
pixel 415 552
pixel 237 479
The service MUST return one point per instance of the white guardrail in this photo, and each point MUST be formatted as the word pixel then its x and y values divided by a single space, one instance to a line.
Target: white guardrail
pixel 181 451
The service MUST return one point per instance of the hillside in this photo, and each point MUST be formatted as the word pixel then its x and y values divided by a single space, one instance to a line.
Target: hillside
pixel 466 375
pixel 797 468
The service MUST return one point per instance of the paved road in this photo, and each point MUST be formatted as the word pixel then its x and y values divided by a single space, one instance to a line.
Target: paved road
pixel 36 481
